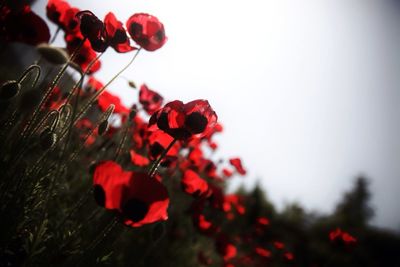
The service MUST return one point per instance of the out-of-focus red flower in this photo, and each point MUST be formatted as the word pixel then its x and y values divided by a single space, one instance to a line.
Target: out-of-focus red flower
pixel 150 100
pixel 106 98
pixel 194 185
pixel 262 221
pixel 237 163
pixel 338 235
pixel 227 173
pixel 54 10
pixel 279 245
pixel 139 160
pixel 95 84
pixel 147 31
pixel 22 25
pixel 288 256
pixel 85 55
pixel 225 248
pixel 116 34
pixel 183 121
pixel 235 201
pixel 213 145
pixel 134 196
pixel 263 252
pixel 203 225
pixel 69 22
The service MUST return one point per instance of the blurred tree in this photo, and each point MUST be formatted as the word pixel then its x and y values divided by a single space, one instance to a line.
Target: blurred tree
pixel 354 210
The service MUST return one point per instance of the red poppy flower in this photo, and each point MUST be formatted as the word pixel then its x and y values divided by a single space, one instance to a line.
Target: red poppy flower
pixel 158 142
pixel 22 25
pixel 262 221
pixel 139 160
pixel 225 248
pixel 340 236
pixel 150 100
pixel 213 145
pixel 85 55
pixel 116 34
pixel 193 184
pixel 147 31
pixel 68 20
pixel 93 29
pixel 279 245
pixel 183 121
pixel 235 201
pixel 227 173
pixel 134 196
pixel 288 256
pixel 203 225
pixel 263 252
pixel 54 10
pixel 106 98
pixel 237 163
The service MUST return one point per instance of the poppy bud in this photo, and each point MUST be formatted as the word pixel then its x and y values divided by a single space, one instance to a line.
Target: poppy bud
pixel 52 54
pixel 132 84
pixel 47 138
pixel 9 90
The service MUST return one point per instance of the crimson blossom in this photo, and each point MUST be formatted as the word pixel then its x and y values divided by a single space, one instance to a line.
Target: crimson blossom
pixel 135 197
pixel 147 31
pixel 183 121
pixel 150 100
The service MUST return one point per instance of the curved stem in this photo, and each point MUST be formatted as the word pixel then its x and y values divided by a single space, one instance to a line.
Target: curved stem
pixel 50 89
pixel 29 70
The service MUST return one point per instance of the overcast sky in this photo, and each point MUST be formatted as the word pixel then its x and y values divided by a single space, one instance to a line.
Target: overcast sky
pixel 308 91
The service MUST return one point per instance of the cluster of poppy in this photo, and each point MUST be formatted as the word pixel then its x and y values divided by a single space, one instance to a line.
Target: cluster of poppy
pixel 341 237
pixel 174 135
pixel 86 34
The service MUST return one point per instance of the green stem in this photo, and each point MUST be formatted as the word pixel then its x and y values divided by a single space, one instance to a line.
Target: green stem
pixel 79 82
pixel 157 162
pixel 99 92
pixel 50 90
pixel 55 35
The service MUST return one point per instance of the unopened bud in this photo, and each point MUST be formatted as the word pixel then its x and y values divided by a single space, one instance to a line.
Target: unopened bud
pixel 132 84
pixel 53 54
pixel 9 90
pixel 47 138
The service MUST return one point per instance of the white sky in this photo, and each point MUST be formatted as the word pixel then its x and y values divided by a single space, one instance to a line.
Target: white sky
pixel 308 91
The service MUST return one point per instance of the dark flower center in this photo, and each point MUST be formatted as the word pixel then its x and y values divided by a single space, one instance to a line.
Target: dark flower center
pixel 196 122
pixel 136 29
pixel 135 209
pixel 160 35
pixel 156 149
